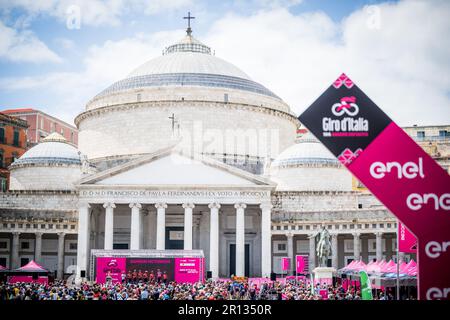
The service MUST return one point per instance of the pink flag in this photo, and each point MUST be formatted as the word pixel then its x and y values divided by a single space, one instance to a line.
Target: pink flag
pixel 407 242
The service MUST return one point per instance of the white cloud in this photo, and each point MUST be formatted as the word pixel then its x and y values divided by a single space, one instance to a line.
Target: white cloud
pixel 103 65
pixel 402 65
pixel 93 12
pixel 277 3
pixel 24 46
pixel 64 43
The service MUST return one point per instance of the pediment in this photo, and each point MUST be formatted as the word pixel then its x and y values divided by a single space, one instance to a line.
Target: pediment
pixel 169 167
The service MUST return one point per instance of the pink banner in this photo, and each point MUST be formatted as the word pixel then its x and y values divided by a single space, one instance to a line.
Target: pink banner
pixel 324 294
pixel 406 241
pixel 414 187
pixel 188 269
pixel 15 279
pixel 301 263
pixel 114 266
pixel 285 264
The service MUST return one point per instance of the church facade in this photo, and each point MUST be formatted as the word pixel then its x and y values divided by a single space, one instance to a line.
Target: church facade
pixel 187 152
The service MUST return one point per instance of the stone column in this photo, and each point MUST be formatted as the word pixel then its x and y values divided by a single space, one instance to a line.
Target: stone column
pixel 109 225
pixel 334 251
pixel 356 246
pixel 379 245
pixel 214 239
pixel 240 239
pixel 188 207
pixel 60 270
pixel 266 239
pixel 83 239
pixel 38 247
pixel 290 250
pixel 15 251
pixel 161 226
pixel 135 237
pixel 312 252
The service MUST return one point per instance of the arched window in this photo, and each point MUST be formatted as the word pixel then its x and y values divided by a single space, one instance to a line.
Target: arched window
pixel 1 158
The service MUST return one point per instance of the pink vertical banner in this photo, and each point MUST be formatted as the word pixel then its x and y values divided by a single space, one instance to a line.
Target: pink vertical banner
pixel 285 263
pixel 407 242
pixel 300 264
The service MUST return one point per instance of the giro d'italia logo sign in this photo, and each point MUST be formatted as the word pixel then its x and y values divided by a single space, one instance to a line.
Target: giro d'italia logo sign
pixel 395 169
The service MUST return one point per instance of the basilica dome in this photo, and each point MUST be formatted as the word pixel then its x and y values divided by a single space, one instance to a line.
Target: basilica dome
pixel 309 166
pixel 188 96
pixel 53 164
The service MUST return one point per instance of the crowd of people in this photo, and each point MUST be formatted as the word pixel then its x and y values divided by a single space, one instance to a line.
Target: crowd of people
pixel 168 290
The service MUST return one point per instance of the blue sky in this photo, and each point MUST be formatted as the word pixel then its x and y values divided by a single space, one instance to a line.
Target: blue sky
pixel 46 65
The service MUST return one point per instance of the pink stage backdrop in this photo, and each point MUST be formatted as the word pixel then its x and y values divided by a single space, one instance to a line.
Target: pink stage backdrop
pixel 116 266
pixel 189 269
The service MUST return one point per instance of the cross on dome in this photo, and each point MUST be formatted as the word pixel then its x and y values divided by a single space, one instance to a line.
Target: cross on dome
pixel 189 18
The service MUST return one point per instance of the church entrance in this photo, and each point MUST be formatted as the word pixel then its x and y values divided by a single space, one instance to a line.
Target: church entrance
pixel 233 259
pixel 175 238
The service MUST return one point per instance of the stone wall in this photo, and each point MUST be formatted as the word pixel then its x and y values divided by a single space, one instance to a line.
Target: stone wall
pixel 45 177
pixel 290 201
pixel 205 127
pixel 318 178
pixel 39 200
pixel 187 93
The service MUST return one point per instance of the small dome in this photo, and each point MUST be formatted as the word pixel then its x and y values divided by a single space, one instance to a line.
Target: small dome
pixel 307 150
pixel 53 149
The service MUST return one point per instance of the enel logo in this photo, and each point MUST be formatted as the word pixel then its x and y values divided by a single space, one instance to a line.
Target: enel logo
pixel 415 201
pixel 433 249
pixel 409 170
pixel 437 293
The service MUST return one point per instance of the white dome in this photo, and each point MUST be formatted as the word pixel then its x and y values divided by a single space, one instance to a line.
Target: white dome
pixel 188 62
pixel 309 166
pixel 53 164
pixel 52 149
pixel 308 150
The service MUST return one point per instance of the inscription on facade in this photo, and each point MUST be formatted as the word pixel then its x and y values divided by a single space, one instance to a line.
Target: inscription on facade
pixel 160 195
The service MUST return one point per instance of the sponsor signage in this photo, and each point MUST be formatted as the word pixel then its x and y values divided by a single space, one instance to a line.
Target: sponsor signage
pixel 114 266
pixel 395 169
pixel 189 269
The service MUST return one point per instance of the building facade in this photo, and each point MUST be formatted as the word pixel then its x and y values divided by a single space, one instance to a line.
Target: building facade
pixel 13 143
pixel 188 152
pixel 41 124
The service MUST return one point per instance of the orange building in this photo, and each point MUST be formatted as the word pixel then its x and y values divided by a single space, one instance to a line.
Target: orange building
pixel 13 143
pixel 41 124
